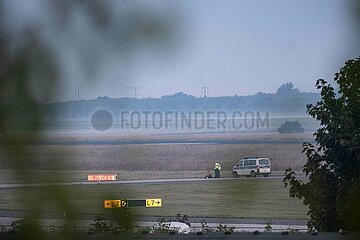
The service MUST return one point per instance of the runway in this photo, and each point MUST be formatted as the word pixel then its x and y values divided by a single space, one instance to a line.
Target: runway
pixel 153 181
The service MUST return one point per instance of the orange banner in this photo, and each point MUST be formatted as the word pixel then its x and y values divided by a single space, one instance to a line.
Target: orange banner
pixel 102 177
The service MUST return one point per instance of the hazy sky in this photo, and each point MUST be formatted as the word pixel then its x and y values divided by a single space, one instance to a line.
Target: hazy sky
pixel 234 47
pixel 243 47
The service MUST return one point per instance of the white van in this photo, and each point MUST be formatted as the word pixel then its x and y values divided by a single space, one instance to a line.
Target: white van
pixel 252 167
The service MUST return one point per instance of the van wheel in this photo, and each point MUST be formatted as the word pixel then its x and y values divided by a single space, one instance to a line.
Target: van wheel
pixel 266 175
pixel 236 174
pixel 253 174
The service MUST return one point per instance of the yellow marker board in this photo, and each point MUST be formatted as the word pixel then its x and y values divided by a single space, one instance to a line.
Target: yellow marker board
pixel 112 203
pixel 154 202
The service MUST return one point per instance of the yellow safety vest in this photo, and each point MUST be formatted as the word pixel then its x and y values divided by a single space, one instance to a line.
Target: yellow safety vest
pixel 217 166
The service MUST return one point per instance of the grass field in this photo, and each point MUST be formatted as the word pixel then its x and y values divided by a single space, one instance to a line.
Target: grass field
pixel 248 198
pixel 109 136
pixel 168 157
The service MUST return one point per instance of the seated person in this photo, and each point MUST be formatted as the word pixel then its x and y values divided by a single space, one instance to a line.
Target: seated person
pixel 208 175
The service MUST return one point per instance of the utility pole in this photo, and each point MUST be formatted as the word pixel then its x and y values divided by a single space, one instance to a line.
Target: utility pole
pixel 78 93
pixel 135 89
pixel 205 90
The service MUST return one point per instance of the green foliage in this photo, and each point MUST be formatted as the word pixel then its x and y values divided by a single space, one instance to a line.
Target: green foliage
pixel 291 127
pixel 145 230
pixel 219 228
pixel 268 227
pixel 62 229
pixel 21 225
pixel 182 218
pixel 333 189
pixel 103 225
pixel 224 228
pixel 163 227
pixel 205 227
pixel 32 67
pixel 26 229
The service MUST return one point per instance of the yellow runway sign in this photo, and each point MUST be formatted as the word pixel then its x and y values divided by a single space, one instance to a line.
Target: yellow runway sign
pixel 115 203
pixel 150 202
pixel 154 202
pixel 112 203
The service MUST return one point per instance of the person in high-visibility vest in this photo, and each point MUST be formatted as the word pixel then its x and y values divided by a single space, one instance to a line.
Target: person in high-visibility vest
pixel 217 169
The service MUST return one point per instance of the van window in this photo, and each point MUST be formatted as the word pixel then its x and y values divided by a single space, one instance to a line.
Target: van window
pixel 249 162
pixel 240 163
pixel 264 162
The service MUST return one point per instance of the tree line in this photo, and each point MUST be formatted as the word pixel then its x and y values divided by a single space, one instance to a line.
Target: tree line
pixel 286 101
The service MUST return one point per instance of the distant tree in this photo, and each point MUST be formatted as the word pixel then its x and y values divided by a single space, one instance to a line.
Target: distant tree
pixel 332 191
pixel 103 98
pixel 178 95
pixel 287 88
pixel 291 127
pixel 277 103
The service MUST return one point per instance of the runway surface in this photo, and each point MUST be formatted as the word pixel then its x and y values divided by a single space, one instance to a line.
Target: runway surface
pixel 154 181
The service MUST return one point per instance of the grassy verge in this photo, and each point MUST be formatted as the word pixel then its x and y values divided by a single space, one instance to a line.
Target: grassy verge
pixel 248 198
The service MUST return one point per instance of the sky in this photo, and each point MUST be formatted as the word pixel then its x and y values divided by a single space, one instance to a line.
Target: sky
pixel 232 47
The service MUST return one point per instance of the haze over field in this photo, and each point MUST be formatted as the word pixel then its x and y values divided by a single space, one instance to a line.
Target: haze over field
pixel 233 47
pixel 286 101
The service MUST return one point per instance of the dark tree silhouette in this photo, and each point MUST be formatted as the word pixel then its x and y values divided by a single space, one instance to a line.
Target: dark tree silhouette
pixel 333 189
pixel 291 127
pixel 287 88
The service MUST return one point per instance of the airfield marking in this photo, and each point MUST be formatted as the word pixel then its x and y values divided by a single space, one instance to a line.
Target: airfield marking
pixel 120 203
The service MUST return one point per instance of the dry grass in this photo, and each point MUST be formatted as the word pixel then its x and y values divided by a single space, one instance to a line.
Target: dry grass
pixel 169 157
pixel 165 157
pixel 307 136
